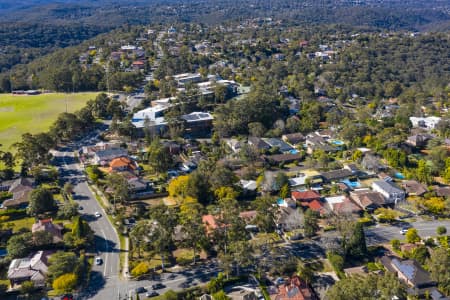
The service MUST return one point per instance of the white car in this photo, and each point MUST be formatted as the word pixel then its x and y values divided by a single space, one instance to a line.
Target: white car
pixel 97 214
pixel 403 231
pixel 98 260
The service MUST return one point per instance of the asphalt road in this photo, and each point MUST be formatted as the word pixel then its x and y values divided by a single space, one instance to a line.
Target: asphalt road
pixel 383 234
pixel 105 277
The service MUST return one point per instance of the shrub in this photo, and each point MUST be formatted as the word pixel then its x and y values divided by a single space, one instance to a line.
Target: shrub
pixel 337 262
pixel 141 269
pixel 441 230
pixel 395 244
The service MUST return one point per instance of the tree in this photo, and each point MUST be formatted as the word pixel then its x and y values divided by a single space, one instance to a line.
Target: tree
pixel 119 184
pixel 62 263
pixel 68 210
pixel 285 191
pixel 178 186
pixel 305 272
pixel 412 236
pixel 65 283
pixel 192 225
pixel 220 295
pixel 357 247
pixel 440 230
pixel 140 269
pixel 40 201
pixel 423 172
pixel 310 223
pixel 367 287
pixel 68 188
pixel 159 157
pixel 42 238
pixel 435 205
pixel 439 267
pixel 386 214
pixel 265 213
pixel 27 287
pixel 19 245
pixel 395 244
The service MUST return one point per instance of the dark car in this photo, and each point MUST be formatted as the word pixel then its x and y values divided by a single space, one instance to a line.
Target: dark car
pixel 151 294
pixel 158 286
pixel 140 290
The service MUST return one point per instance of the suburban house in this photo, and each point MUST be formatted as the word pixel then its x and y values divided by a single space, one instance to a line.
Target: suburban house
pixel 305 196
pixel 47 225
pixel 426 123
pixel 241 294
pixel 281 158
pixel 390 191
pixel 360 271
pixel 277 143
pixel 293 139
pixel 315 205
pixel 288 218
pixel 316 142
pixel 442 191
pixel 342 205
pixel 249 186
pixel 103 157
pixel 372 163
pixel 410 272
pixel 414 188
pixel 367 199
pixel 197 123
pixel 258 143
pixel 418 140
pixel 32 268
pixel 20 189
pixel 139 187
pixel 122 164
pixel 234 144
pixel 294 289
pixel 336 175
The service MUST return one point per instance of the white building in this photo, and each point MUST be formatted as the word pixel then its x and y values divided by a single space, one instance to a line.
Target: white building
pixel 390 191
pixel 427 123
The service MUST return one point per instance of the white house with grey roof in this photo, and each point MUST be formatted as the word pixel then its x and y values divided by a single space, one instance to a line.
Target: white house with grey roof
pixel 392 193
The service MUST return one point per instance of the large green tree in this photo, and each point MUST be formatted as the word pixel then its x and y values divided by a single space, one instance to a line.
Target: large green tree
pixel 41 201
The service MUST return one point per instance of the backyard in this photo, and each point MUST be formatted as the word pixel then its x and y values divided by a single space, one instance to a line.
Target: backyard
pixel 34 113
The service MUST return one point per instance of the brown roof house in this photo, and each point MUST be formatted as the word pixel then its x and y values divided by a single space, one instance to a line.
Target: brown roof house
pixel 20 190
pixel 293 289
pixel 414 188
pixel 368 199
pixel 121 164
pixel 410 272
pixel 47 225
pixel 32 268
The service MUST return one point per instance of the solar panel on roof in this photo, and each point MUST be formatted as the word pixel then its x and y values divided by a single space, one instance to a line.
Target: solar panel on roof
pixel 190 117
pixel 407 269
pixel 204 115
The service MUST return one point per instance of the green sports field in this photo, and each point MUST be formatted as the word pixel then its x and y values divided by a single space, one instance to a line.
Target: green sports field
pixel 21 113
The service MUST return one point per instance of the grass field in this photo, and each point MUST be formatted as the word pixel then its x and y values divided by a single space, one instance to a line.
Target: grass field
pixel 20 113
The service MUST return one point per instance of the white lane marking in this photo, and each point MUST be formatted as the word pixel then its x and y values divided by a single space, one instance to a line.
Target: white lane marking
pixel 106 256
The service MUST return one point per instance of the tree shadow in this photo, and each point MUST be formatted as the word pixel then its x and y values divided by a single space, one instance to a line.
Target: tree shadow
pixel 104 245
pixel 96 283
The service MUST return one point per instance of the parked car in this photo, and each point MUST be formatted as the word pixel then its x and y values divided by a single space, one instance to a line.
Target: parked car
pixel 98 260
pixel 404 230
pixel 158 286
pixel 151 294
pixel 97 214
pixel 140 290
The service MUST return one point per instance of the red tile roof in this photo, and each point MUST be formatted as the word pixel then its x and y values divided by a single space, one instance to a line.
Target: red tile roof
pixel 305 196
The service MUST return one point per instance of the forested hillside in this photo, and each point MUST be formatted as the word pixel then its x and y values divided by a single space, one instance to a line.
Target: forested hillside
pixel 30 29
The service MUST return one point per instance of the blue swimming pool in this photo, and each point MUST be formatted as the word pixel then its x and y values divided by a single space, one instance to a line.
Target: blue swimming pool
pixel 337 142
pixel 280 201
pixel 293 151
pixel 351 184
pixel 399 175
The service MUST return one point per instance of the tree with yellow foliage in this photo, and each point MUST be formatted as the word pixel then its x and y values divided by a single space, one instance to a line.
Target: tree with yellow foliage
pixel 178 186
pixel 65 283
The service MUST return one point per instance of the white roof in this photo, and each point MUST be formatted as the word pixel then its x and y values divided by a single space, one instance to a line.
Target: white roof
pixel 297 181
pixel 335 199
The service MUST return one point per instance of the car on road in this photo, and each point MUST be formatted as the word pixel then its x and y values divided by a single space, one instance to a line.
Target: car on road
pixel 151 294
pixel 140 290
pixel 158 286
pixel 98 260
pixel 404 230
pixel 80 207
pixel 97 214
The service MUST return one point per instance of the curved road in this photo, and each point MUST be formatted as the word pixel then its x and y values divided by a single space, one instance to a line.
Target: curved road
pixel 105 281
